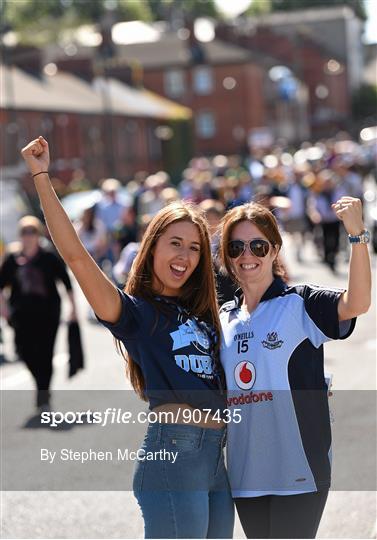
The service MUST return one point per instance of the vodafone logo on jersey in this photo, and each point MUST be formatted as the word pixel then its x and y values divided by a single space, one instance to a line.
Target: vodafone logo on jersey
pixel 244 374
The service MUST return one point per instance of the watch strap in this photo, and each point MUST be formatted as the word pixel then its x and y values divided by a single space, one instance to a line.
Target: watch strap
pixel 362 238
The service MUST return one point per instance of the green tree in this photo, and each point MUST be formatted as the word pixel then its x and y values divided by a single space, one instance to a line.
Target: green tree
pixel 134 11
pixel 259 7
pixel 189 9
pixel 200 8
pixel 39 22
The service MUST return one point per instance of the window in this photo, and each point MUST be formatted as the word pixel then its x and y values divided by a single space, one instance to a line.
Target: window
pixel 174 83
pixel 205 125
pixel 203 82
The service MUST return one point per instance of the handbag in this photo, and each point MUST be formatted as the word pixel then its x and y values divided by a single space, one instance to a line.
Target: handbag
pixel 75 351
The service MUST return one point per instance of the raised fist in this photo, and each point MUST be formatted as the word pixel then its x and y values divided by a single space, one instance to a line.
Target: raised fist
pixel 37 155
pixel 350 211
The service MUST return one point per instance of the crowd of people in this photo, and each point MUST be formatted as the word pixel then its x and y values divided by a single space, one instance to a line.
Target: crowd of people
pixel 299 187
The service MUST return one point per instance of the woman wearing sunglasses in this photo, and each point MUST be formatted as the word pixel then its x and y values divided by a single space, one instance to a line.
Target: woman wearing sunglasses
pixel 272 353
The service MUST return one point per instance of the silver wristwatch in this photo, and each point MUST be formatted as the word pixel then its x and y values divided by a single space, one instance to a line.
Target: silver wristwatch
pixel 362 238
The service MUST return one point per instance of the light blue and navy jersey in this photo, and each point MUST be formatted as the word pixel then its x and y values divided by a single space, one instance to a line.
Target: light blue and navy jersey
pixel 175 352
pixel 273 362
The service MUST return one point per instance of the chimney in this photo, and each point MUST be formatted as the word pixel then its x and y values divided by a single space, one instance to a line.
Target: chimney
pixel 24 57
pixel 80 67
pixel 196 49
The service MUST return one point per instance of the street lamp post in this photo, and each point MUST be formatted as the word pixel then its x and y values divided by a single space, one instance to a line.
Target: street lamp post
pixel 106 54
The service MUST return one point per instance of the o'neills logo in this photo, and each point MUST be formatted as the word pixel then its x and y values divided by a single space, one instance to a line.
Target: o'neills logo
pixel 252 397
pixel 244 374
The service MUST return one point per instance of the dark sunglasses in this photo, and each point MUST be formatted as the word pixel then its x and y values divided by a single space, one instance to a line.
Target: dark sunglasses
pixel 259 248
pixel 28 231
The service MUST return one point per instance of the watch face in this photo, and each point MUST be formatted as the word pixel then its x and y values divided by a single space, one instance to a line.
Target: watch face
pixel 365 237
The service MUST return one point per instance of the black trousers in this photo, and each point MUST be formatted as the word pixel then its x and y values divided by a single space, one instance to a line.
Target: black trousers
pixel 34 340
pixel 330 242
pixel 281 516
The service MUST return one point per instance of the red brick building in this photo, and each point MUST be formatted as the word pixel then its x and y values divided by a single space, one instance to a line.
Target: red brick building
pixel 226 86
pixel 227 100
pixel 322 47
pixel 102 129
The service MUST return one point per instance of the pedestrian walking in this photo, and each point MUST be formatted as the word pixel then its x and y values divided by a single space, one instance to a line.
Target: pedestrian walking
pixel 167 319
pixel 92 233
pixel 225 286
pixel 295 218
pixel 30 272
pixel 321 213
pixel 109 211
pixel 272 352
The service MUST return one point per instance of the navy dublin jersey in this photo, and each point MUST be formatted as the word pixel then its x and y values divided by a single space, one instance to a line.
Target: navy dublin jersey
pixel 174 351
pixel 273 362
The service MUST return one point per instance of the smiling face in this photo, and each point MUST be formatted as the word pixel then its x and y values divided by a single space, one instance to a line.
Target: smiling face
pixel 175 257
pixel 247 267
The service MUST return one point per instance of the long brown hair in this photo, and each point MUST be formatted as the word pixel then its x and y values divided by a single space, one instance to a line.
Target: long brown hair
pixel 198 294
pixel 262 218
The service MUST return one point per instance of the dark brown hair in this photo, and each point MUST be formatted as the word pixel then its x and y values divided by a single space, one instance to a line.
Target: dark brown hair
pixel 262 218
pixel 198 294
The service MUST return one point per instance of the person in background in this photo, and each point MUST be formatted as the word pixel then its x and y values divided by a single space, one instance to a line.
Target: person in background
pixel 169 195
pixel 125 231
pixel 92 233
pixel 136 188
pixel 321 213
pixel 150 202
pixel 347 175
pixel 214 212
pixel 295 218
pixel 109 210
pixel 3 307
pixel 123 266
pixel 30 272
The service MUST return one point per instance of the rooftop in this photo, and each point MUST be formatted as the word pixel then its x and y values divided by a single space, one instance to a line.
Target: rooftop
pixel 64 92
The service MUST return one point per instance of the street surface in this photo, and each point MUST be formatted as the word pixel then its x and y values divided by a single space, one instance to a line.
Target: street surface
pixel 348 514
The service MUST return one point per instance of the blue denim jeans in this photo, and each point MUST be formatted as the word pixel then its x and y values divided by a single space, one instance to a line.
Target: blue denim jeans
pixel 189 498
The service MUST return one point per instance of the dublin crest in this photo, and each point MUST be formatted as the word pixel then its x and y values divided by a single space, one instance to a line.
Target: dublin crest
pixel 272 341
